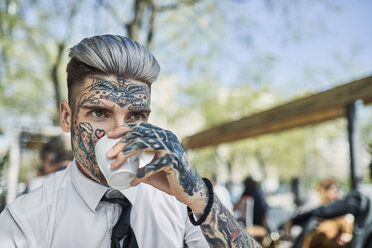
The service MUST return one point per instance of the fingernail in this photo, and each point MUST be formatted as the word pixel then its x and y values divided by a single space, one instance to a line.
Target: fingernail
pixel 110 152
pixel 130 125
pixel 110 132
pixel 112 165
pixel 133 182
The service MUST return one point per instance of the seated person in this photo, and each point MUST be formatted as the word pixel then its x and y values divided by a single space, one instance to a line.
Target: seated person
pixel 252 191
pixel 355 203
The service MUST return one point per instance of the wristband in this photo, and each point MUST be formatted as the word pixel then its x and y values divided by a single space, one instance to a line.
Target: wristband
pixel 207 209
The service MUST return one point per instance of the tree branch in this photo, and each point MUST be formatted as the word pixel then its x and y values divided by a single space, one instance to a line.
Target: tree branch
pixel 150 32
pixel 54 76
pixel 175 5
pixel 134 27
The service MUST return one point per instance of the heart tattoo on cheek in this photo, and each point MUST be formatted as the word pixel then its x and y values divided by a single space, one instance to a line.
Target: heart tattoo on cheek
pixel 99 133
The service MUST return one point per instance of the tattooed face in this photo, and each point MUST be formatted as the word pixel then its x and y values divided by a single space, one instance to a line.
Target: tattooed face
pixel 86 138
pixel 104 103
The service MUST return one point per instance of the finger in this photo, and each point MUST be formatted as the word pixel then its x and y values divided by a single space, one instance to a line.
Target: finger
pixel 121 158
pixel 121 130
pixel 154 166
pixel 118 148
pixel 144 129
pixel 128 138
pixel 158 180
pixel 144 142
pixel 159 133
pixel 136 146
pixel 138 132
pixel 147 130
pixel 149 170
pixel 149 126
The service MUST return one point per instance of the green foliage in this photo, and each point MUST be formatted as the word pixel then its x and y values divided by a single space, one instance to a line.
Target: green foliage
pixel 284 150
pixel 29 51
pixel 192 40
pixel 205 161
pixel 218 103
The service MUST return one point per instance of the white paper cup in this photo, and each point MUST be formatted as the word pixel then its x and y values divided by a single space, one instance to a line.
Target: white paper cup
pixel 121 177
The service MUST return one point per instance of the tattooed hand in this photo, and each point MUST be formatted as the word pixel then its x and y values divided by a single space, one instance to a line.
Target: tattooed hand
pixel 169 171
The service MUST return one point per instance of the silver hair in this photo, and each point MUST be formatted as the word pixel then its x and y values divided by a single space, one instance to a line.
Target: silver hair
pixel 117 55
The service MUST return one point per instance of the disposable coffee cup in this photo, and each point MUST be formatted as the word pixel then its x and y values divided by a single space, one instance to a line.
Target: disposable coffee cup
pixel 121 177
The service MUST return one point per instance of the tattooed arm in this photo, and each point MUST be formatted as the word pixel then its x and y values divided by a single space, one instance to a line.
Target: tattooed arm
pixel 221 229
pixel 171 172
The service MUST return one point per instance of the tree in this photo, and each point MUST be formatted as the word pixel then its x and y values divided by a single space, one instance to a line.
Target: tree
pixel 191 38
pixel 33 48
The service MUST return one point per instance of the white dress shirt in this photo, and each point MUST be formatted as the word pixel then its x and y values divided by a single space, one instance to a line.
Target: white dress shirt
pixel 224 196
pixel 66 211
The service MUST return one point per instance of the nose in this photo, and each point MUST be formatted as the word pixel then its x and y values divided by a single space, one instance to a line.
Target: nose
pixel 119 121
pixel 117 117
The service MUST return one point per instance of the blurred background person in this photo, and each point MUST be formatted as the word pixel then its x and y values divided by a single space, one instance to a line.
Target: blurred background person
pixel 329 233
pixel 252 195
pixel 317 232
pixel 324 193
pixel 356 207
pixel 55 156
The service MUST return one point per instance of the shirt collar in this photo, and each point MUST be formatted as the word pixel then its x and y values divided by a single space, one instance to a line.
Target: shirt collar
pixel 131 193
pixel 92 192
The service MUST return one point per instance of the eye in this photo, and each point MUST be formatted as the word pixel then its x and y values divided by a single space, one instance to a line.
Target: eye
pixel 98 113
pixel 136 117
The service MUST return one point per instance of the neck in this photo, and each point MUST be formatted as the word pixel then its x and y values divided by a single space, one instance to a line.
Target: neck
pixel 100 180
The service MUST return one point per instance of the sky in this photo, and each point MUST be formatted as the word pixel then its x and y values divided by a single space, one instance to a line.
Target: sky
pixel 347 34
pixel 348 31
pixel 316 45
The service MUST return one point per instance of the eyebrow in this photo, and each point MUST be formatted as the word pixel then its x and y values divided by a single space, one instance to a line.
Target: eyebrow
pixel 140 111
pixel 106 108
pixel 96 107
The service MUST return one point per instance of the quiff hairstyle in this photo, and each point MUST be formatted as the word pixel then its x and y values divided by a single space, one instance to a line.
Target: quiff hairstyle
pixel 110 55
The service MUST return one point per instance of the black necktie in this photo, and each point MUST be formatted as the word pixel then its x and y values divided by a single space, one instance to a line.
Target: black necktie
pixel 122 227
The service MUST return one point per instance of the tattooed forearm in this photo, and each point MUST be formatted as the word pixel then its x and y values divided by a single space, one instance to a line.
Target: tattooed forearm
pixel 221 229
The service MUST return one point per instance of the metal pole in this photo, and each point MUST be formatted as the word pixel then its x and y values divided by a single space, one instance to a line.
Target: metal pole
pixel 15 155
pixel 229 182
pixel 14 167
pixel 354 141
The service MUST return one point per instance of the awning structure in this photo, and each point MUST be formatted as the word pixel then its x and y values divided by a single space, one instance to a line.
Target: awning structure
pixel 313 109
pixel 338 102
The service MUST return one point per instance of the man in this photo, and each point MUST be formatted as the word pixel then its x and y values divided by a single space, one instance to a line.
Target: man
pixel 252 191
pixel 358 204
pixel 55 157
pixel 109 79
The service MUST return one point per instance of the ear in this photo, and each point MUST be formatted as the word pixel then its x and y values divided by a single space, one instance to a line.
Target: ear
pixel 65 116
